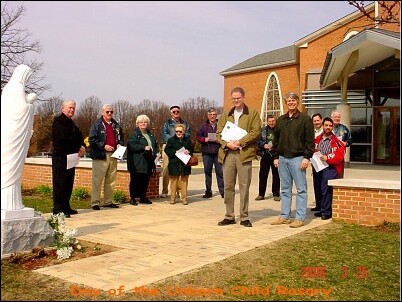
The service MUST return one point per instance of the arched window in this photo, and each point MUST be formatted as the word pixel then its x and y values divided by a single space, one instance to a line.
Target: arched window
pixel 350 35
pixel 272 101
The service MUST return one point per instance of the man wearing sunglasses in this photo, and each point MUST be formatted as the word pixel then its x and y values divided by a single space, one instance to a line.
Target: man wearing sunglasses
pixel 105 136
pixel 168 131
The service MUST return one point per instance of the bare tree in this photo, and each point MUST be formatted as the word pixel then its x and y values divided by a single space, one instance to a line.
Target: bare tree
pixel 389 11
pixel 157 112
pixel 45 113
pixel 194 111
pixel 87 113
pixel 16 46
pixel 124 114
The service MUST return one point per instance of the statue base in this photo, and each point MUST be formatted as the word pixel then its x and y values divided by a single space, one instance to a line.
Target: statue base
pixel 17 214
pixel 23 234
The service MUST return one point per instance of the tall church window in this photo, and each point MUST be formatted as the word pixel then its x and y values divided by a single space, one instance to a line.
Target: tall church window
pixel 272 101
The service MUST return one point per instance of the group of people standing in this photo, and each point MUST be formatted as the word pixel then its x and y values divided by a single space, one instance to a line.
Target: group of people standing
pixel 285 146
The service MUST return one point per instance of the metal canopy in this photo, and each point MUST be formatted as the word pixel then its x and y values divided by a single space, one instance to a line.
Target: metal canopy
pixel 372 46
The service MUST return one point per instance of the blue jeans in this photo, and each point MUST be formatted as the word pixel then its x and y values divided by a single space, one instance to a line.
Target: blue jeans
pixel 289 172
pixel 210 160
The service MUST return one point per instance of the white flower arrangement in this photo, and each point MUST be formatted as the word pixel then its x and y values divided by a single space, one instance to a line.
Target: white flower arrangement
pixel 65 240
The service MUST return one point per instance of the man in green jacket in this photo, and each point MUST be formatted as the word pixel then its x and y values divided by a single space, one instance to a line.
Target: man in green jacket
pixel 237 155
pixel 292 149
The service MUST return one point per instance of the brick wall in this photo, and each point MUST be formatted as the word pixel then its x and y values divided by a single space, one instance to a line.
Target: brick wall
pixel 365 205
pixel 34 175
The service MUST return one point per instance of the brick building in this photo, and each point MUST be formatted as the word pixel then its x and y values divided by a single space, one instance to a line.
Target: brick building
pixel 351 65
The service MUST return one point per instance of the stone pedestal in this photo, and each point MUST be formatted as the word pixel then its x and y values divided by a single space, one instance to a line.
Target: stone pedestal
pixel 17 214
pixel 24 233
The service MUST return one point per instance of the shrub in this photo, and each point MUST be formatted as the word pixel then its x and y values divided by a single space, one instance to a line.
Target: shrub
pixel 44 190
pixel 80 193
pixel 120 196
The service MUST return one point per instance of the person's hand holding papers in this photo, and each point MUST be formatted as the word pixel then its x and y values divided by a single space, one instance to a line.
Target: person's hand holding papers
pixel 232 134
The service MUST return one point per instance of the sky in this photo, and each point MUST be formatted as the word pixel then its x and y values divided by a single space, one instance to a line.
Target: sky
pixel 161 51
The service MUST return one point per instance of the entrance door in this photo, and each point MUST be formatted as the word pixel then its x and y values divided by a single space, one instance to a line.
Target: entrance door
pixel 386 135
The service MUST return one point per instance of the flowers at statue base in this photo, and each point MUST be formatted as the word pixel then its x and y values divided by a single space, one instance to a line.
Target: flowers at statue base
pixel 65 240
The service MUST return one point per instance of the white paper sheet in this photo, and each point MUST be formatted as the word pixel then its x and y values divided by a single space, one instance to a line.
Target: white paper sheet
pixel 72 160
pixel 158 160
pixel 231 132
pixel 317 163
pixel 212 136
pixel 119 153
pixel 183 156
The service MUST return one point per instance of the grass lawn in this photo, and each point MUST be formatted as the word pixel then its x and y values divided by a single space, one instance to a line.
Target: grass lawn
pixel 333 262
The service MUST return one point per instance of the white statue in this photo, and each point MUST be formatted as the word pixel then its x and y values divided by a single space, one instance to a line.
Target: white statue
pixel 17 111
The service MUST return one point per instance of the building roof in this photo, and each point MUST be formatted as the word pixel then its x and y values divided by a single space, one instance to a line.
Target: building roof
pixel 369 47
pixel 287 55
pixel 281 56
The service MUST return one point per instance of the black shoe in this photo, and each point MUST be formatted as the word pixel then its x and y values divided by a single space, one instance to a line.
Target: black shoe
pixel 72 212
pixel 67 215
pixel 326 217
pixel 223 195
pixel 207 195
pixel 146 201
pixel 133 202
pixel 315 209
pixel 226 222
pixel 96 208
pixel 318 214
pixel 246 223
pixel 112 205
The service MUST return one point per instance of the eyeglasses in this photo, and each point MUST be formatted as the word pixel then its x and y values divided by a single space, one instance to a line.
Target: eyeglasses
pixel 176 111
pixel 178 131
pixel 109 112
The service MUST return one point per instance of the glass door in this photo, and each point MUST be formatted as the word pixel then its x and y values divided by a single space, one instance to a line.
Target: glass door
pixel 386 135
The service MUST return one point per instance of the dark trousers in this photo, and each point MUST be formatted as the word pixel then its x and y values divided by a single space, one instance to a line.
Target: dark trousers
pixel 266 164
pixel 63 181
pixel 325 192
pixel 317 188
pixel 209 161
pixel 139 184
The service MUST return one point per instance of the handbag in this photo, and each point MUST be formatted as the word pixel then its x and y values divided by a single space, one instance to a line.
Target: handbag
pixel 193 161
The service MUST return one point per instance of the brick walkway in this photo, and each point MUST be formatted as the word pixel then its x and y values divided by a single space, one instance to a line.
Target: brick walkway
pixel 161 240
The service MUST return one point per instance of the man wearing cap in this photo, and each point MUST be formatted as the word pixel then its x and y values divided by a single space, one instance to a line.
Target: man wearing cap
pixel 168 132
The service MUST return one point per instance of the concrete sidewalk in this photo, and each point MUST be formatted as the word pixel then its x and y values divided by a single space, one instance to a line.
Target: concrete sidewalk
pixel 162 240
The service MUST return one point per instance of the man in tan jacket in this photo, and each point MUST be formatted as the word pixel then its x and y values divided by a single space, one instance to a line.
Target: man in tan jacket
pixel 237 155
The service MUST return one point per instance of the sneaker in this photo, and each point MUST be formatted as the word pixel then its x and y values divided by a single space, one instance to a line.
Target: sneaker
pixel 163 195
pixel 277 198
pixel 112 205
pixel 96 208
pixel 246 223
pixel 296 223
pixel 280 220
pixel 226 222
pixel 207 195
pixel 259 197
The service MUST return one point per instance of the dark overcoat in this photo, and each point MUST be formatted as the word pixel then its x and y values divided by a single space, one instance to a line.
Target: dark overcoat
pixel 176 166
